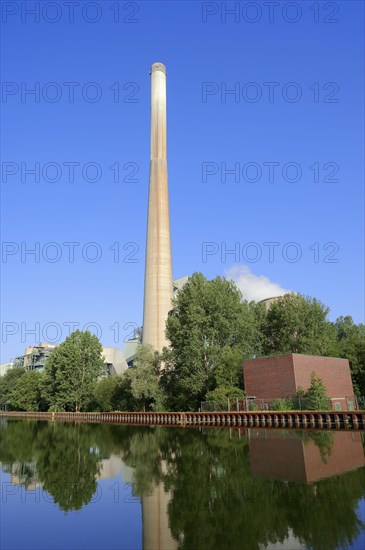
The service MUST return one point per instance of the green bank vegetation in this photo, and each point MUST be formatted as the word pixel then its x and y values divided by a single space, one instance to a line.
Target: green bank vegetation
pixel 211 330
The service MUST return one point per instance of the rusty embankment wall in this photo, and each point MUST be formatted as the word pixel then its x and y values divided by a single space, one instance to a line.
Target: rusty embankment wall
pixel 293 419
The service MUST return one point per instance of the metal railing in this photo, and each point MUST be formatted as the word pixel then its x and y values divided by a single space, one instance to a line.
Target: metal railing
pixel 349 403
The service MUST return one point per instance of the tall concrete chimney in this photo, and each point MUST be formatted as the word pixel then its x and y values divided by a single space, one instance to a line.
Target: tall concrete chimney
pixel 158 285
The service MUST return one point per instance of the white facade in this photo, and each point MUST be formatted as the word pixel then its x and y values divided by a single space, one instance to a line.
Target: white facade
pixel 4 367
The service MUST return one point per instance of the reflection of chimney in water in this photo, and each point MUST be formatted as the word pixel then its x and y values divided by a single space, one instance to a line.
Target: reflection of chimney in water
pixel 155 520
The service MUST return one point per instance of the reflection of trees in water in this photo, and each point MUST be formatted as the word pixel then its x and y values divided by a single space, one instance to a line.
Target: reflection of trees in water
pixel 323 440
pixel 215 495
pixel 65 458
pixel 215 500
pixel 68 465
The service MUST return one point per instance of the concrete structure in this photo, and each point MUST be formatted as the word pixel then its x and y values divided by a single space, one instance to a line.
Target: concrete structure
pixel 35 358
pixel 130 348
pixel 158 287
pixel 268 301
pixel 5 367
pixel 116 364
pixel 179 283
pixel 281 376
pixel 293 458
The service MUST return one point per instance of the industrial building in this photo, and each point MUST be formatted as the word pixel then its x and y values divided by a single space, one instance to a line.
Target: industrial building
pixel 130 346
pixel 35 358
pixel 4 367
pixel 280 376
pixel 268 301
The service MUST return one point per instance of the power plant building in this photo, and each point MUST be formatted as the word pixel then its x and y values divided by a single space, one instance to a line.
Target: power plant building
pixel 35 358
pixel 280 376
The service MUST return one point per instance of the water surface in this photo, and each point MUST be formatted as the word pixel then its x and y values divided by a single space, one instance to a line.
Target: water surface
pixel 70 486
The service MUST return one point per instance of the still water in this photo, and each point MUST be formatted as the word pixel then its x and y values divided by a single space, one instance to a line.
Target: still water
pixel 72 486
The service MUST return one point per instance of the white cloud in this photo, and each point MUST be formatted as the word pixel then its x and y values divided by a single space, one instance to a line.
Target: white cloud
pixel 254 287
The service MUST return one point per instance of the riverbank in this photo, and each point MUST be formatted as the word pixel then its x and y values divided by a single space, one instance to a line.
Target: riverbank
pixel 265 419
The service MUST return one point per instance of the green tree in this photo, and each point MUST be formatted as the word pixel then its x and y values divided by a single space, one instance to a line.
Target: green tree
pixel 106 391
pixel 229 371
pixel 297 324
pixel 145 387
pixel 209 328
pixel 27 392
pixel 72 371
pixel 123 397
pixel 351 346
pixel 316 396
pixel 225 396
pixel 7 384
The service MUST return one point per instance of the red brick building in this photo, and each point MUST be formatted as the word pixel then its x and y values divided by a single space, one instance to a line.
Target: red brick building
pixel 280 376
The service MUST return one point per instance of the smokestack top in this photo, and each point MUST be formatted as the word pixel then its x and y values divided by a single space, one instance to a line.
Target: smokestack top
pixel 158 67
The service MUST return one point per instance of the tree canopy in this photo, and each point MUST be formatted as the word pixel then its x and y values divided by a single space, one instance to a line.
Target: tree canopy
pixel 72 371
pixel 211 330
pixel 296 324
pixel 27 392
pixel 7 384
pixel 145 386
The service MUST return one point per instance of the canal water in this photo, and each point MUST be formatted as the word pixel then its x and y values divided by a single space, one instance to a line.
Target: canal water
pixel 70 486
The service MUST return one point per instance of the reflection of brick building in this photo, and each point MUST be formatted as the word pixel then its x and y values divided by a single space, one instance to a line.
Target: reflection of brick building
pixel 293 458
pixel 280 376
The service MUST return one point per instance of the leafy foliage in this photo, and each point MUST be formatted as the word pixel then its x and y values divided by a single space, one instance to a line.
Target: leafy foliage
pixel 7 384
pixel 27 392
pixel 209 328
pixel 351 345
pixel 316 395
pixel 145 387
pixel 106 393
pixel 224 395
pixel 211 331
pixel 296 324
pixel 282 404
pixel 72 371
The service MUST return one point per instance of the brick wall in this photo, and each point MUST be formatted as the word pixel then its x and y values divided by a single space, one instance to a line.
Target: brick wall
pixel 334 372
pixel 280 376
pixel 269 376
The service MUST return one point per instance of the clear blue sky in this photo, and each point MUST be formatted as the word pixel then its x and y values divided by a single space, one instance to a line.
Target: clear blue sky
pixel 199 44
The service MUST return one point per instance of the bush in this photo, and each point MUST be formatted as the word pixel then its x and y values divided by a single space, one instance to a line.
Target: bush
pixel 315 397
pixel 221 395
pixel 281 404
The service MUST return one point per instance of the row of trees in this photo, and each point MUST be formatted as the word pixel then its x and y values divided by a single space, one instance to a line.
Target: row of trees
pixel 75 378
pixel 211 331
